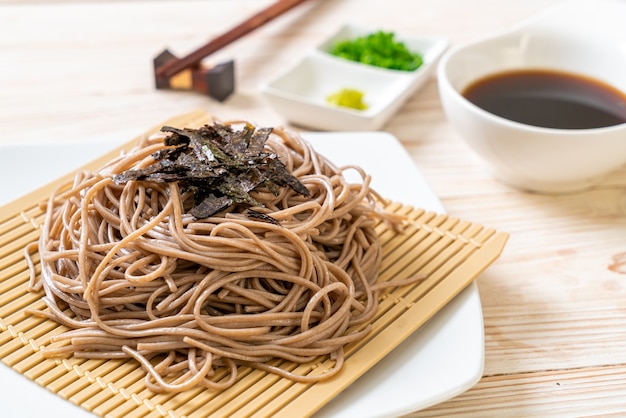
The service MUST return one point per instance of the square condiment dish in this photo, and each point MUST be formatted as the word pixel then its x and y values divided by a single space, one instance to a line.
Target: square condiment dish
pixel 300 93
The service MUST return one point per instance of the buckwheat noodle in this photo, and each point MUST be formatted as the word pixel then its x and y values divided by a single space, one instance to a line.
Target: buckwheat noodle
pixel 134 276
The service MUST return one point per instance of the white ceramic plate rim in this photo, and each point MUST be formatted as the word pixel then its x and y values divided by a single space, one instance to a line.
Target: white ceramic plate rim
pixel 440 360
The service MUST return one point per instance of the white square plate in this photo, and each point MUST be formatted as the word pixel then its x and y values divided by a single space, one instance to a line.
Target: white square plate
pixel 300 93
pixel 440 360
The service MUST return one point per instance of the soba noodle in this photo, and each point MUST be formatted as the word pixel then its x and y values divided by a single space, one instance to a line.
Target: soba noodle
pixel 133 275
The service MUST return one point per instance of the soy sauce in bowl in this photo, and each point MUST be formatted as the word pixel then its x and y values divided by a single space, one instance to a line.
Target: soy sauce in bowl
pixel 549 99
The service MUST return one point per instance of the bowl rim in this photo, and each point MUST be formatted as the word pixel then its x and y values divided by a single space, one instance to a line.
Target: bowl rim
pixel 445 85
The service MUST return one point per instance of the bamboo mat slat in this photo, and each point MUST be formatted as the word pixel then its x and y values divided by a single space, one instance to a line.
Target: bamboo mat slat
pixel 449 251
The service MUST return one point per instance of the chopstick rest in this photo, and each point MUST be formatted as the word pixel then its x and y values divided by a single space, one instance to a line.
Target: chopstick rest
pixel 216 81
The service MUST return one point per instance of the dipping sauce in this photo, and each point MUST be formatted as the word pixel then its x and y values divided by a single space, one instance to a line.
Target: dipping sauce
pixel 550 99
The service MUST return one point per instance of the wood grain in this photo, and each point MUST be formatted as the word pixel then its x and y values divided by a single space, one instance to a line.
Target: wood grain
pixel 554 313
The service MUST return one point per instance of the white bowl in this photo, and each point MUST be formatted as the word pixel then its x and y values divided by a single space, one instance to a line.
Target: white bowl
pixel 581 37
pixel 300 93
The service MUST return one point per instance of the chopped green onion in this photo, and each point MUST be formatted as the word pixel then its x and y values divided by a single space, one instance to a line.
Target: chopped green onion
pixel 379 49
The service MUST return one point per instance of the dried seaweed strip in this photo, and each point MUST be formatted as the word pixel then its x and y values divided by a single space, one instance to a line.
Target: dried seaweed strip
pixel 282 177
pixel 257 141
pixel 209 205
pixel 239 141
pixel 218 164
pixel 262 216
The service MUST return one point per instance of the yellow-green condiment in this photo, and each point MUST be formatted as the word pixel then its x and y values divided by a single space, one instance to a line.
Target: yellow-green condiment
pixel 350 98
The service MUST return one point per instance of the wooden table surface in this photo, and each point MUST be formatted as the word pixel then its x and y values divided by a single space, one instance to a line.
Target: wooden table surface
pixel 554 307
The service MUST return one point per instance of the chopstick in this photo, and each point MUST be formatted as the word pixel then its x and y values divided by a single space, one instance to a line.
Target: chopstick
pixel 259 19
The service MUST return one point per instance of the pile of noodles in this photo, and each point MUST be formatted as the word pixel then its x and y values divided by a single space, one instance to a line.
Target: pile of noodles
pixel 133 275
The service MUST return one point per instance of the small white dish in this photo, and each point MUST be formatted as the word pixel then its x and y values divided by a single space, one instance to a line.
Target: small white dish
pixel 300 93
pixel 582 37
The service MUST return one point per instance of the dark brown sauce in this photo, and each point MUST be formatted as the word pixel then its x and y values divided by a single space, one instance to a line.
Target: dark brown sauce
pixel 549 99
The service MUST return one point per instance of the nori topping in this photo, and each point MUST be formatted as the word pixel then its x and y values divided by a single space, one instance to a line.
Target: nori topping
pixel 262 216
pixel 219 165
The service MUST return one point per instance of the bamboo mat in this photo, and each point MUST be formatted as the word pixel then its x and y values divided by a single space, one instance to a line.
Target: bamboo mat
pixel 450 251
